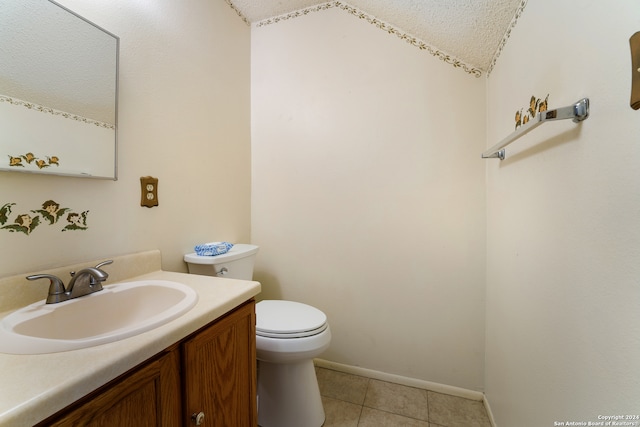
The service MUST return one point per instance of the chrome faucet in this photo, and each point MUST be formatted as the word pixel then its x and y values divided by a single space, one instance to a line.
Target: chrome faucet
pixel 84 282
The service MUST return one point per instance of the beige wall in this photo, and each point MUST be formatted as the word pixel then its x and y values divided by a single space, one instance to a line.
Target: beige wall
pixel 563 277
pixel 368 194
pixel 183 118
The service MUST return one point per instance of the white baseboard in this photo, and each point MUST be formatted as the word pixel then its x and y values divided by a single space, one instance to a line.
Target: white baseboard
pixel 488 409
pixel 410 382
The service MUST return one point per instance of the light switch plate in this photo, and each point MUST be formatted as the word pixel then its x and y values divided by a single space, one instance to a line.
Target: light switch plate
pixel 634 42
pixel 149 191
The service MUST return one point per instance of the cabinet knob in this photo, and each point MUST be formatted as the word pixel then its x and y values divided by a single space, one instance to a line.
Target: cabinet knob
pixel 198 418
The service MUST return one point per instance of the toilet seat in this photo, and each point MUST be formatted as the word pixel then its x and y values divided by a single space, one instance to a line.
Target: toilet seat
pixel 288 319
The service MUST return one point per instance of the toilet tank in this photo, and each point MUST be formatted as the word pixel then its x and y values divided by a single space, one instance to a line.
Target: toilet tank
pixel 235 264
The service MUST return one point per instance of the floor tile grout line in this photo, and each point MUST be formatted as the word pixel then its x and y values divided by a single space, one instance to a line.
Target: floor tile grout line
pixel 366 391
pixel 360 415
pixel 399 415
pixel 364 399
pixel 430 395
pixel 428 407
pixel 362 406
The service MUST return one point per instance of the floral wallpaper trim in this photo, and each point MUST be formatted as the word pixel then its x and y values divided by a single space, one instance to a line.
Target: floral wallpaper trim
pixel 232 6
pixel 381 25
pixel 506 36
pixel 32 160
pixel 43 109
pixel 50 212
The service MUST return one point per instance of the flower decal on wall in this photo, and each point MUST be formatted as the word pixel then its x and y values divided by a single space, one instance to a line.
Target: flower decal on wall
pixel 24 223
pixel 5 211
pixel 535 106
pixel 51 212
pixel 32 160
pixel 77 221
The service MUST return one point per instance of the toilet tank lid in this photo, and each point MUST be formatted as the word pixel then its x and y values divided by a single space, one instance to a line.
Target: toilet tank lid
pixel 240 250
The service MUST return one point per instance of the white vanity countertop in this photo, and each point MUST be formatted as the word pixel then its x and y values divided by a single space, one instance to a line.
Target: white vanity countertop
pixel 33 387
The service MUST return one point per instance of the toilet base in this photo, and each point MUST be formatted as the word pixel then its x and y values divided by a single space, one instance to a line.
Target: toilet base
pixel 288 395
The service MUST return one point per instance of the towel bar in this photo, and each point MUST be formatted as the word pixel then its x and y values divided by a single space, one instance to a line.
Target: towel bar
pixel 578 112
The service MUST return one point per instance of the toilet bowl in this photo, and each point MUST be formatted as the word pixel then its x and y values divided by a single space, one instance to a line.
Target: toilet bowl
pixel 288 336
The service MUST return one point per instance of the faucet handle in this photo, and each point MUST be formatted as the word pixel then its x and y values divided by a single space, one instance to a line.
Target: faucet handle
pixel 103 273
pixel 56 287
pixel 109 261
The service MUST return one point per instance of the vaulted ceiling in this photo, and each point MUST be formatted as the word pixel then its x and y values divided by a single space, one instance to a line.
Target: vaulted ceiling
pixel 469 31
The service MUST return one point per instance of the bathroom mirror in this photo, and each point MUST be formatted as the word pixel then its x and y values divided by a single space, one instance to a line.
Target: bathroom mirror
pixel 58 92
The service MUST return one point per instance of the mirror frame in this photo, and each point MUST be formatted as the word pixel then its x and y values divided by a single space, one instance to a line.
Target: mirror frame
pixel 115 100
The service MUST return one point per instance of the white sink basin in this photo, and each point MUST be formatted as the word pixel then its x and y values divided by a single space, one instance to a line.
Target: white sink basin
pixel 118 311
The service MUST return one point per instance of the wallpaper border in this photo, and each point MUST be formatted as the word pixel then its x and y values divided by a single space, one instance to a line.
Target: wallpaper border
pixel 388 28
pixel 506 36
pixel 392 30
pixel 48 110
pixel 235 9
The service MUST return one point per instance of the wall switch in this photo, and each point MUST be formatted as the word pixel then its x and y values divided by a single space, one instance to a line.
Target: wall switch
pixel 149 190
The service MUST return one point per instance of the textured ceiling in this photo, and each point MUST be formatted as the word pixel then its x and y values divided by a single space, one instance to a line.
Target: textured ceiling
pixel 471 31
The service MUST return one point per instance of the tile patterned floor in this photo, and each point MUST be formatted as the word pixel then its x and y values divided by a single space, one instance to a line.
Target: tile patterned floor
pixel 355 401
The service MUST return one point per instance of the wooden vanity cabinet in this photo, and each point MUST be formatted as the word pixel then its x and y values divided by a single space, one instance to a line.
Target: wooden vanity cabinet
pixel 210 375
pixel 219 371
pixel 143 397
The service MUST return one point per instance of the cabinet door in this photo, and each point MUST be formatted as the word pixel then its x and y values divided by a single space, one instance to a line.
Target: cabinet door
pixel 148 396
pixel 219 371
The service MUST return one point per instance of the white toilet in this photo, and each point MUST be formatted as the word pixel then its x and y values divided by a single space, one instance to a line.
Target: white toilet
pixel 288 336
